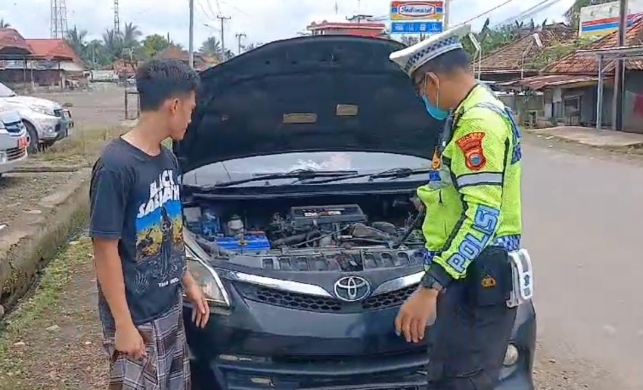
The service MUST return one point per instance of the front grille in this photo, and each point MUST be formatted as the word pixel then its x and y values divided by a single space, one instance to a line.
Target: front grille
pixel 346 260
pixel 317 304
pixel 14 127
pixel 15 153
pixel 389 299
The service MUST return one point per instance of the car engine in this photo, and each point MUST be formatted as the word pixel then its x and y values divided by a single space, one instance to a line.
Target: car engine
pixel 250 228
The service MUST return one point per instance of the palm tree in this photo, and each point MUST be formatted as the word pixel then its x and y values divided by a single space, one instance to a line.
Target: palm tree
pixel 131 36
pixel 76 39
pixel 4 24
pixel 211 47
pixel 113 44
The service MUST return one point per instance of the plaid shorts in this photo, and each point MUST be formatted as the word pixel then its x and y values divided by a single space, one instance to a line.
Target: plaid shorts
pixel 167 365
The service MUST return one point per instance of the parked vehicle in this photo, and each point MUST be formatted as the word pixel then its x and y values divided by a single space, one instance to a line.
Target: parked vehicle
pixel 47 121
pixel 300 170
pixel 13 141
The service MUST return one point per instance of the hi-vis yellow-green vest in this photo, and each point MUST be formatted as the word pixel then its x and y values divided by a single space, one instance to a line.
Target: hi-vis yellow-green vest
pixel 472 199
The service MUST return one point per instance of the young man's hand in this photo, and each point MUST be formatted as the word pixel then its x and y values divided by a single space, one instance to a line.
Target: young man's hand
pixel 129 341
pixel 200 306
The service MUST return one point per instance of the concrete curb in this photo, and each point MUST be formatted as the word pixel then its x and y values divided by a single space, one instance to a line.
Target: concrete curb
pixel 593 143
pixel 34 240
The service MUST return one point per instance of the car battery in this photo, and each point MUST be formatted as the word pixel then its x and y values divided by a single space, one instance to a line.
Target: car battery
pixel 249 243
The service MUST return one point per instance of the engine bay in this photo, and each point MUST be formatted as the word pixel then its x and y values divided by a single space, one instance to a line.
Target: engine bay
pixel 312 223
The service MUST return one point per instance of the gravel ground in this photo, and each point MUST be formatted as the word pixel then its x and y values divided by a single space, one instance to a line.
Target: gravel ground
pixel 94 111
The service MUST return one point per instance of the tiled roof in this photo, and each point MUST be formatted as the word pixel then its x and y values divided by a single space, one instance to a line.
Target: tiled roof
pixel 11 39
pixel 538 83
pixel 577 63
pixel 51 49
pixel 510 57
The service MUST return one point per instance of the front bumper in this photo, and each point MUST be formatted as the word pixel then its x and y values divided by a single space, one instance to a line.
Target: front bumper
pixel 13 152
pixel 259 346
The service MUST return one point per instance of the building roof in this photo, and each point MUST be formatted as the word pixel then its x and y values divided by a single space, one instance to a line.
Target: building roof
pixel 510 58
pixel 539 83
pixel 587 64
pixel 53 49
pixel 175 53
pixel 11 41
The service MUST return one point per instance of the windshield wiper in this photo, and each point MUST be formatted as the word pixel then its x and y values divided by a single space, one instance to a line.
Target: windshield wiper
pixel 395 173
pixel 300 174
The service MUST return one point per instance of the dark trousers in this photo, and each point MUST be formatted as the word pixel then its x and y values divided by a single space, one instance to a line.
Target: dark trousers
pixel 467 343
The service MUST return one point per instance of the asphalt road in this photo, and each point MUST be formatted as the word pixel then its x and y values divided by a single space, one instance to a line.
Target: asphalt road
pixel 582 225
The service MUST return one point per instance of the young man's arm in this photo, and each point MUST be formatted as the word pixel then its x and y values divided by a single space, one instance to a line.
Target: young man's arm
pixel 108 201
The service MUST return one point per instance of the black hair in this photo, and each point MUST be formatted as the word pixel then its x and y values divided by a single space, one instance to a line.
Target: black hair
pixel 159 80
pixel 449 62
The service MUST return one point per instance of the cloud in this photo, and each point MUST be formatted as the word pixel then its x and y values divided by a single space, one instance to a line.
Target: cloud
pixel 260 20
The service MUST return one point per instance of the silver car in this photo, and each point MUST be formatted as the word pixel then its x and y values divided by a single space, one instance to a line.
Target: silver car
pixel 13 141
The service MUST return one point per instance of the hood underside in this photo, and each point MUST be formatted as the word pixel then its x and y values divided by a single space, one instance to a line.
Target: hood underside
pixel 324 93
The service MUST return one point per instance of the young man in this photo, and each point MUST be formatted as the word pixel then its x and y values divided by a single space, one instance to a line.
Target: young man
pixel 473 219
pixel 137 230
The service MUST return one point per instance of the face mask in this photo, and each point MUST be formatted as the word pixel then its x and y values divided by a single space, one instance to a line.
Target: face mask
pixel 435 112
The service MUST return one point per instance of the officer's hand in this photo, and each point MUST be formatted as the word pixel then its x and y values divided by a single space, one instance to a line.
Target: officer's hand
pixel 415 313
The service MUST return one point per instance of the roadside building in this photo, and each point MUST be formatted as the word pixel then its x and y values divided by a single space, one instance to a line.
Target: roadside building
pixel 570 85
pixel 201 61
pixel 14 55
pixel 358 25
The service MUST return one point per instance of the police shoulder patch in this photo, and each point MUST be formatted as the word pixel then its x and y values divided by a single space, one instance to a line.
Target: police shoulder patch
pixel 471 146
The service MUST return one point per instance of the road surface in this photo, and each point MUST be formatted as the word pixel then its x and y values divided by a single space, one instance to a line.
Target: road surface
pixel 583 213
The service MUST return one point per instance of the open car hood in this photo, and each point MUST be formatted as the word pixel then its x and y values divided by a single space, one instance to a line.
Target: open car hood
pixel 307 94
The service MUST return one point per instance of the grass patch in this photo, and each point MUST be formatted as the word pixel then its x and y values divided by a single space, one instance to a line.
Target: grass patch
pixel 81 148
pixel 44 302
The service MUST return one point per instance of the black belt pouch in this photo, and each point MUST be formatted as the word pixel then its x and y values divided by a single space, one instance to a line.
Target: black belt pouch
pixel 489 278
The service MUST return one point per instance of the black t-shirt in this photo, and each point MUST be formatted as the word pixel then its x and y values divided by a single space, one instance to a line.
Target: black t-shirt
pixel 134 198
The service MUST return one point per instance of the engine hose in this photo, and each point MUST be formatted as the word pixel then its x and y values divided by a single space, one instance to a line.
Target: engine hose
pixel 416 222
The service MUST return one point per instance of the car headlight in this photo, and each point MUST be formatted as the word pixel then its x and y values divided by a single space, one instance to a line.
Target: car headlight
pixel 43 110
pixel 206 277
pixel 511 356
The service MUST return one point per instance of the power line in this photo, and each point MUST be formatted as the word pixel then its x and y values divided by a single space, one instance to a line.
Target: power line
pixel 486 12
pixel 540 6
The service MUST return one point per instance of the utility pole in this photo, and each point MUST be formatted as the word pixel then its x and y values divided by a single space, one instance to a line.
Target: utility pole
pixel 239 37
pixel 222 19
pixel 619 71
pixel 117 18
pixel 191 36
pixel 446 14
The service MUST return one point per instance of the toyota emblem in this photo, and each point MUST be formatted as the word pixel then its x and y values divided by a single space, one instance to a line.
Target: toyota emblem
pixel 352 288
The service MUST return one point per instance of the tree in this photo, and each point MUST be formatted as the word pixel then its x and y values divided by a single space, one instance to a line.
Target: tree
pixel 251 46
pixel 211 47
pixel 112 44
pixel 4 24
pixel 131 35
pixel 76 39
pixel 154 44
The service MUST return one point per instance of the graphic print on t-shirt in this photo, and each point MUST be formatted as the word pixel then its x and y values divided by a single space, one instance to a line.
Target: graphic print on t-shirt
pixel 159 235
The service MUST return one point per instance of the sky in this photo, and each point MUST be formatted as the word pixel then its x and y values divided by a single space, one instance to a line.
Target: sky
pixel 260 20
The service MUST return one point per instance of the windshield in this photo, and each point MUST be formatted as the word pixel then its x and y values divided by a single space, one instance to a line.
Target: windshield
pixel 6 91
pixel 243 168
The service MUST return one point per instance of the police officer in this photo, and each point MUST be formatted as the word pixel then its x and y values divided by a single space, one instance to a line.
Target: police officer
pixel 473 219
